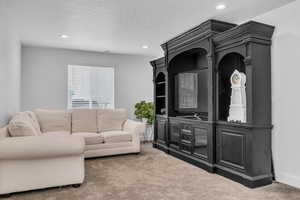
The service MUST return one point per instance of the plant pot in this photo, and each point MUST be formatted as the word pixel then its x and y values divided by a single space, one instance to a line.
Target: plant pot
pixel 149 133
pixel 144 120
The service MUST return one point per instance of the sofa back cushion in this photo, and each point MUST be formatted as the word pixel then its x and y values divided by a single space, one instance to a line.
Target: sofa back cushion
pixel 111 119
pixel 34 121
pixel 21 125
pixel 54 120
pixel 84 120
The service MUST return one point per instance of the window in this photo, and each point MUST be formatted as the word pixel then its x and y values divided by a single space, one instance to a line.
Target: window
pixel 90 87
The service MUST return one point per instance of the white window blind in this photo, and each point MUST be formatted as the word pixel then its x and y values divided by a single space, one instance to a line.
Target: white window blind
pixel 90 87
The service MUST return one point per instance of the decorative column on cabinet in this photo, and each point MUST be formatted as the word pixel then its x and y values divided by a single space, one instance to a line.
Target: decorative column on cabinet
pixel 249 74
pixel 211 100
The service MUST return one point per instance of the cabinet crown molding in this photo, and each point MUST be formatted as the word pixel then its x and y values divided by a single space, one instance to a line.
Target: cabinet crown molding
pixel 250 29
pixel 206 28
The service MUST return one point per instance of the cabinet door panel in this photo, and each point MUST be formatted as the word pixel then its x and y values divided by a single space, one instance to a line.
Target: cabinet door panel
pixel 161 131
pixel 174 134
pixel 231 148
pixel 200 141
pixel 186 148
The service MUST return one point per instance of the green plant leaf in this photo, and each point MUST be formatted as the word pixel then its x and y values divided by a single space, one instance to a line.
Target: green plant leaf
pixel 145 109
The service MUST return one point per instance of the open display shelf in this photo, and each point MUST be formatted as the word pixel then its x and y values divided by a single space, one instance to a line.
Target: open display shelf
pixel 229 63
pixel 160 92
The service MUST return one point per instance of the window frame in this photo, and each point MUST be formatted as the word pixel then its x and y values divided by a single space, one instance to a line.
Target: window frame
pixel 69 79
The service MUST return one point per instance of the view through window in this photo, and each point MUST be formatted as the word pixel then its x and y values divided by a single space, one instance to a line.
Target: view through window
pixel 90 87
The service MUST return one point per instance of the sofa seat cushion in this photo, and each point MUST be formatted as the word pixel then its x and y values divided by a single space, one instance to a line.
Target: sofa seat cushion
pixel 116 145
pixel 90 138
pixel 111 119
pixel 84 120
pixel 54 120
pixel 116 136
pixel 56 133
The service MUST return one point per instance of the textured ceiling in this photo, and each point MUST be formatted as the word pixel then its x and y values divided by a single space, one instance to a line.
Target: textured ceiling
pixel 121 26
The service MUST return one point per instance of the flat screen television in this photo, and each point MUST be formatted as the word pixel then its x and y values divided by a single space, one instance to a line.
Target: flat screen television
pixel 191 92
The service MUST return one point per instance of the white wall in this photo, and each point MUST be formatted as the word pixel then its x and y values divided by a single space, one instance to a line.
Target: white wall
pixel 285 91
pixel 9 68
pixel 44 76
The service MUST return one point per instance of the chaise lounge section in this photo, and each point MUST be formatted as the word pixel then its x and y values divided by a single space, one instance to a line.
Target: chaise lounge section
pixel 28 163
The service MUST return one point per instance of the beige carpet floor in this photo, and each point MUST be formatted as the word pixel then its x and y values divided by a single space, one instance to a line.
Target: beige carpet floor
pixel 154 175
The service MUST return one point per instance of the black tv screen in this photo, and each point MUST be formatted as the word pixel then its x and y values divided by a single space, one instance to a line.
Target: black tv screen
pixel 188 91
pixel 191 91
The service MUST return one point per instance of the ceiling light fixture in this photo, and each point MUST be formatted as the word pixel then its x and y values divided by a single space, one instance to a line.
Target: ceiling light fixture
pixel 145 46
pixel 64 36
pixel 221 6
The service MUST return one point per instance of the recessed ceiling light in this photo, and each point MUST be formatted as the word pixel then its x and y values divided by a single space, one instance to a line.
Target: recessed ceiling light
pixel 64 36
pixel 145 46
pixel 220 6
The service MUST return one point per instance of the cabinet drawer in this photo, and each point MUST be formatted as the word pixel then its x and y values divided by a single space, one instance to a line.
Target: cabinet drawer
pixel 160 130
pixel 186 137
pixel 186 127
pixel 186 148
pixel 186 131
pixel 200 142
pixel 174 134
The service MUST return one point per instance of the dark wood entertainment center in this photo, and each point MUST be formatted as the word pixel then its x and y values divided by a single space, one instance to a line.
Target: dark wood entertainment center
pixel 192 97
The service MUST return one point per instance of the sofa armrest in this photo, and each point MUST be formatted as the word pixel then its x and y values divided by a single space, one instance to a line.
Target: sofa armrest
pixel 4 132
pixel 37 147
pixel 135 128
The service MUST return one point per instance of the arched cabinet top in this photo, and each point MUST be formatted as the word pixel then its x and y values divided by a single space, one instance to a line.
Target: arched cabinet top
pixel 192 51
pixel 203 45
pixel 197 37
pixel 222 55
pixel 232 60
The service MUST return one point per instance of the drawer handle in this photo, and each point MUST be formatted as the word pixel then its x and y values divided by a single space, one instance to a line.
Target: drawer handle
pixel 185 130
pixel 186 142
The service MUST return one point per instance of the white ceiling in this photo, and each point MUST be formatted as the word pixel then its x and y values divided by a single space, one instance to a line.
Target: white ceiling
pixel 121 26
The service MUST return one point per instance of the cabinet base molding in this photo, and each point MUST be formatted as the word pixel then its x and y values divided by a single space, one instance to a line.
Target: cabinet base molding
pixel 192 160
pixel 161 147
pixel 248 181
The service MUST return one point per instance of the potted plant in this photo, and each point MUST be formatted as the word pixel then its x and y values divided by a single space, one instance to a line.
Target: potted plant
pixel 145 111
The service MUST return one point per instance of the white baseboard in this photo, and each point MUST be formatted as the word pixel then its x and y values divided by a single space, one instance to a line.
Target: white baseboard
pixel 288 179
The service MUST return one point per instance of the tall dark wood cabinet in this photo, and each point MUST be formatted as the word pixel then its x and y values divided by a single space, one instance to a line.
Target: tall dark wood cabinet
pixel 192 94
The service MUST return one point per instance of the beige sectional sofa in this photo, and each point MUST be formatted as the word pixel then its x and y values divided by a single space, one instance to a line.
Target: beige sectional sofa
pixel 56 143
